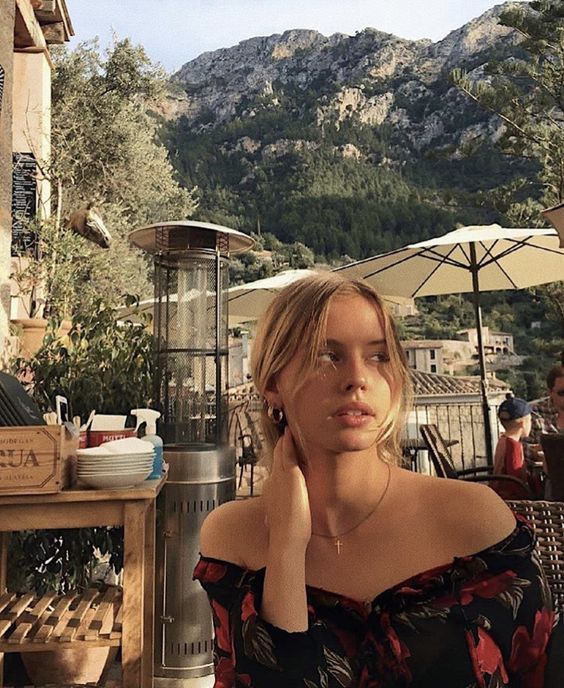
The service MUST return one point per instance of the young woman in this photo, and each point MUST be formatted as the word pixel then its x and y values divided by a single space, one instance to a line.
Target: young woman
pixel 350 570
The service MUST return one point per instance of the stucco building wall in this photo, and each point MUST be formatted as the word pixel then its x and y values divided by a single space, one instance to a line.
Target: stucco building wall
pixel 7 18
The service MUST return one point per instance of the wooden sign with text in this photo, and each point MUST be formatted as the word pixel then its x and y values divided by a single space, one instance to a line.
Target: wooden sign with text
pixel 36 459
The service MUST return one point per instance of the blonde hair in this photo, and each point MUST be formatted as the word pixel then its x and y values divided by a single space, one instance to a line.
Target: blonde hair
pixel 296 321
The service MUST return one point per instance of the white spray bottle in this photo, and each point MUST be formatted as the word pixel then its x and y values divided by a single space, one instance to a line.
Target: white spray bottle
pixel 149 416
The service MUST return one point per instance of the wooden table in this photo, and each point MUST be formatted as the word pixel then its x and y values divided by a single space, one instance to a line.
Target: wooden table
pixel 134 508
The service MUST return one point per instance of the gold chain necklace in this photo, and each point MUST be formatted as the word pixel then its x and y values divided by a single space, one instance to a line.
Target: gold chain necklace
pixel 337 538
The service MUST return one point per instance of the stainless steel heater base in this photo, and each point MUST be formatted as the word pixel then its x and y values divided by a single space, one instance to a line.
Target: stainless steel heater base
pixel 200 479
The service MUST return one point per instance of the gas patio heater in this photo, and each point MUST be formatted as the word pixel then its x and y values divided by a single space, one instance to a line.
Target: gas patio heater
pixel 190 389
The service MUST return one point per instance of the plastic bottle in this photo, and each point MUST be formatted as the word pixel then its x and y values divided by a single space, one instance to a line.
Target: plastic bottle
pixel 149 416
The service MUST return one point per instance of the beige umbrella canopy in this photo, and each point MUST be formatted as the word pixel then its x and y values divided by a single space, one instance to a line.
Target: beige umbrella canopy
pixel 469 259
pixel 247 302
pixel 500 258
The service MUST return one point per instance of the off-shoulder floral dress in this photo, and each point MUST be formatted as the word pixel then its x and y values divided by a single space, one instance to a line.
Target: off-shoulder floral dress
pixel 481 621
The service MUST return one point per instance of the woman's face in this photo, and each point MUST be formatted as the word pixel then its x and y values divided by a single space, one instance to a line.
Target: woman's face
pixel 341 405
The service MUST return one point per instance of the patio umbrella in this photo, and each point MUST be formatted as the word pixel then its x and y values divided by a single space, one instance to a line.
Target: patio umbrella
pixel 469 259
pixel 248 301
pixel 555 216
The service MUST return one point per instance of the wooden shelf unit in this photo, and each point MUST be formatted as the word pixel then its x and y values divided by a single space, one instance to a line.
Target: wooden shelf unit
pixel 29 623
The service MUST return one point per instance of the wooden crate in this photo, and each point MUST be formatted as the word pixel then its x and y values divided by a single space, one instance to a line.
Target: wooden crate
pixel 36 459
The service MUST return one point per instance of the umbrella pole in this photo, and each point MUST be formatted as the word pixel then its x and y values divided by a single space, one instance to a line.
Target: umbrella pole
pixel 481 356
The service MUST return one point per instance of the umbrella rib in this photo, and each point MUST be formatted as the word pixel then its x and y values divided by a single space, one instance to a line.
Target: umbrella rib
pixel 516 245
pixel 430 254
pixel 495 260
pixel 445 260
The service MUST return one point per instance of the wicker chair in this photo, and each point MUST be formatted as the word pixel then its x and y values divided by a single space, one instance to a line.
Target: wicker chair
pixel 548 521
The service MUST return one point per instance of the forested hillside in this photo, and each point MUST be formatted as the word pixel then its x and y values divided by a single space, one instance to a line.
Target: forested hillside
pixel 350 144
pixel 354 145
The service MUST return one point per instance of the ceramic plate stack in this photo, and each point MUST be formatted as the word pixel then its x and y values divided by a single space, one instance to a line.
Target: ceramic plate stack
pixel 115 464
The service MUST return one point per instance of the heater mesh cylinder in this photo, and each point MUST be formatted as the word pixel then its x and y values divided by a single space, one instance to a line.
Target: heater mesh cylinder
pixel 191 348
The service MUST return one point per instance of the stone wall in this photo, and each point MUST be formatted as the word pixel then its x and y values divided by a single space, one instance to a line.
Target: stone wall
pixel 7 18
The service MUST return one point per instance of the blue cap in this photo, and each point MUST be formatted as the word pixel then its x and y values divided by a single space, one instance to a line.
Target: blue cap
pixel 513 408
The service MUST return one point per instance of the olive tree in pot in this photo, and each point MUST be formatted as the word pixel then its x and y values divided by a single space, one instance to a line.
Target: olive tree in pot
pixel 101 364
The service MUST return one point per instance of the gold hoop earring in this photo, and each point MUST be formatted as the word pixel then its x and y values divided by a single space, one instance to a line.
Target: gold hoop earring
pixel 276 415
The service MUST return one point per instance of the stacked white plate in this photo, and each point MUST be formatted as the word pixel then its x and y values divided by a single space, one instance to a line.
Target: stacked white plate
pixel 115 464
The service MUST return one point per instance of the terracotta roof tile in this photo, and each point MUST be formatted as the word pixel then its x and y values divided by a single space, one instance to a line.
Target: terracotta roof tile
pixel 430 384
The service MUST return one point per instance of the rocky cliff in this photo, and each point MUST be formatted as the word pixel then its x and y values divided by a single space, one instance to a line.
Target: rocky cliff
pixel 249 123
pixel 375 75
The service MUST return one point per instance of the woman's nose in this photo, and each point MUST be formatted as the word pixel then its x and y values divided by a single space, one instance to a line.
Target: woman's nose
pixel 354 376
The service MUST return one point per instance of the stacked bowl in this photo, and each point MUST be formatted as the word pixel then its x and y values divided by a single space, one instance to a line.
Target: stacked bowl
pixel 116 464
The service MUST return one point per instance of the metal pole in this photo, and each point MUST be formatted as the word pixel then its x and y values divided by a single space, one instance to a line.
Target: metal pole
pixel 481 355
pixel 218 388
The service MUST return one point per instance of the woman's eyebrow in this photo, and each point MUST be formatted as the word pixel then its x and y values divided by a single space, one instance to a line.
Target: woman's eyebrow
pixel 374 342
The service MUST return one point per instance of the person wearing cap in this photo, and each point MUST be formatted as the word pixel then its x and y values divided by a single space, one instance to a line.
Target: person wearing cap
pixel 515 416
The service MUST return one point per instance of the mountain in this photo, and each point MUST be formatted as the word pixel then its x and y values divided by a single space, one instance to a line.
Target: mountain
pixel 349 144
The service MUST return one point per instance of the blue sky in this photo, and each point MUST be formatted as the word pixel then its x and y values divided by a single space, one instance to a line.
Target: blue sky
pixel 175 31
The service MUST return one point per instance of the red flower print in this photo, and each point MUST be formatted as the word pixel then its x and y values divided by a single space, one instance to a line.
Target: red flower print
pixel 224 674
pixel 367 681
pixel 528 649
pixel 488 655
pixel 244 680
pixel 399 648
pixel 221 626
pixel 209 571
pixel 248 606
pixel 485 585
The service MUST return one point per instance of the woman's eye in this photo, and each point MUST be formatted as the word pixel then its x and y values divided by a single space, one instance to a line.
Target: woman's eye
pixel 328 356
pixel 381 356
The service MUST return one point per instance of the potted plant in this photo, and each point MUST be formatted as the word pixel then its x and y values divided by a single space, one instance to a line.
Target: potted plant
pixel 99 364
pixel 41 279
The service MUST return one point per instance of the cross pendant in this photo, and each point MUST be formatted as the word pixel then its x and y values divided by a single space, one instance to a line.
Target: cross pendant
pixel 338 544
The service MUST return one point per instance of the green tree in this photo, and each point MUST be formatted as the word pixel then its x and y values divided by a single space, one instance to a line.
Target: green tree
pixel 105 150
pixel 527 93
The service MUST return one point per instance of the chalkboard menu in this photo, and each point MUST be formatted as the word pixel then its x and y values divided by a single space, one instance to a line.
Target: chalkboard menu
pixel 24 203
pixel 1 85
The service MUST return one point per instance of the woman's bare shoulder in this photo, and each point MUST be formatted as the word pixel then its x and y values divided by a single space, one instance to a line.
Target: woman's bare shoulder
pixel 473 511
pixel 234 532
pixel 470 514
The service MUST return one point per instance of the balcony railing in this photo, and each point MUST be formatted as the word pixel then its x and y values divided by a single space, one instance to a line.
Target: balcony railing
pixel 463 423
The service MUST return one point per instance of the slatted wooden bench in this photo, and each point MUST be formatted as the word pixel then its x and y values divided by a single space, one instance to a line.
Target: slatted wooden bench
pixel 29 623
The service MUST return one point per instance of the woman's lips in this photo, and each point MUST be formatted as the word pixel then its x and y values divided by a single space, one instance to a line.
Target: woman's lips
pixel 354 415
pixel 353 421
pixel 355 408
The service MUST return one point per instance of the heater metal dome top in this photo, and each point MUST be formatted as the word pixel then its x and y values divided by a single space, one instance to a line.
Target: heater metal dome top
pixel 178 236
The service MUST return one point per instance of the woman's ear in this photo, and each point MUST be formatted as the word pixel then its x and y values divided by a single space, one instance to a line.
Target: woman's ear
pixel 272 394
